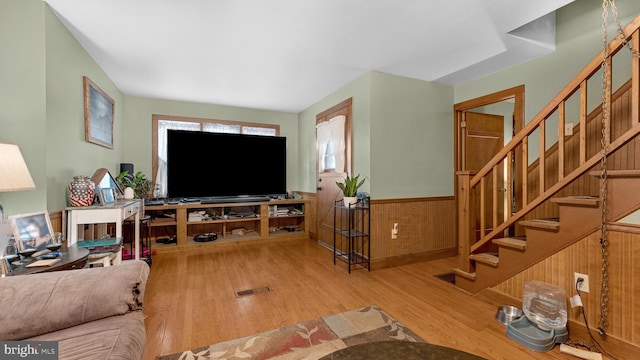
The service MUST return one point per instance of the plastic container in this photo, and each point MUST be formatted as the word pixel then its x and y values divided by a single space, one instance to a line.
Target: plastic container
pixel 531 336
pixel 545 305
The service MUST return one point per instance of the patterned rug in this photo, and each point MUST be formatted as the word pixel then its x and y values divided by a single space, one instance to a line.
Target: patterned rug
pixel 308 340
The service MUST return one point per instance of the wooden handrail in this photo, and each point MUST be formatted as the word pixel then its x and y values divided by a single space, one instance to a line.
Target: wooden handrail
pixel 470 184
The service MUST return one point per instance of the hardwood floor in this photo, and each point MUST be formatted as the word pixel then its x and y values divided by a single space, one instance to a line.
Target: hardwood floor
pixel 190 299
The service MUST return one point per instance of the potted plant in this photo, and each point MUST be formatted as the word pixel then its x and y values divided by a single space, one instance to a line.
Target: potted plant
pixel 350 188
pixel 142 188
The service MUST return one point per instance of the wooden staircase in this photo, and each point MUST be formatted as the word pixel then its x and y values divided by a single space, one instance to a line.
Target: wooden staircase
pixel 556 182
pixel 579 217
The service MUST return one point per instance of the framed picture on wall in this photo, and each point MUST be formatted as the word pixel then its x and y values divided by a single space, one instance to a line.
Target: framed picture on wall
pixel 98 115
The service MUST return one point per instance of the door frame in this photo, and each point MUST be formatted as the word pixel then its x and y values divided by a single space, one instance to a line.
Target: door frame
pixel 345 108
pixel 515 94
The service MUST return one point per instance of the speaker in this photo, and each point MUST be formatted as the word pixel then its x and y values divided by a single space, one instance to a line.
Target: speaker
pixel 126 167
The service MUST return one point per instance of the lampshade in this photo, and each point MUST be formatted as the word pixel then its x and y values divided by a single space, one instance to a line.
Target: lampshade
pixel 14 174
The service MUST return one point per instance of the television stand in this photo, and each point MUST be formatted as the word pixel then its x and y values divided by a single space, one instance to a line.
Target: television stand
pixel 261 220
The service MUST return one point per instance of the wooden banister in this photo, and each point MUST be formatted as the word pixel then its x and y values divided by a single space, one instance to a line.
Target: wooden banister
pixel 475 230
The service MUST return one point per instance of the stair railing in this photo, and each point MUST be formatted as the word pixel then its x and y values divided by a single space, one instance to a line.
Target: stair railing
pixel 478 192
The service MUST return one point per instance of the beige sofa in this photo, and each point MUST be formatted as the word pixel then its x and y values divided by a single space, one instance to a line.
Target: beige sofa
pixel 93 313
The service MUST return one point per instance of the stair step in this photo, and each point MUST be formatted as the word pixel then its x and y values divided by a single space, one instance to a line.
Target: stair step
pixel 485 258
pixel 512 243
pixel 545 224
pixel 464 274
pixel 591 201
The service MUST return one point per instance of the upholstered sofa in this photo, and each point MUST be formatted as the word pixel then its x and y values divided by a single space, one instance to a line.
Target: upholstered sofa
pixel 93 313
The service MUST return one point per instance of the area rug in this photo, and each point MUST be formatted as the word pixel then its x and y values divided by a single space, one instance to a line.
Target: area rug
pixel 311 339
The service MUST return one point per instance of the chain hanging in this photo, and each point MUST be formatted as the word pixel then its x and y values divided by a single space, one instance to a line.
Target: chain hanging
pixel 621 36
pixel 604 244
pixel 604 142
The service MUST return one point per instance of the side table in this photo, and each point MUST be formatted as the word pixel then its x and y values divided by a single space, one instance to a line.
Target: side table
pixel 70 258
pixel 103 214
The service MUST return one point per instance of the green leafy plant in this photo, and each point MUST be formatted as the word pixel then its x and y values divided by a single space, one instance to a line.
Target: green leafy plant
pixel 142 187
pixel 350 185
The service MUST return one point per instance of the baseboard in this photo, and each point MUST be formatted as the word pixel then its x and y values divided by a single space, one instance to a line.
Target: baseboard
pixel 406 259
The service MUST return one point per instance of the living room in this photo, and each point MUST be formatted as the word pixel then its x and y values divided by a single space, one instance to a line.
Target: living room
pixel 42 99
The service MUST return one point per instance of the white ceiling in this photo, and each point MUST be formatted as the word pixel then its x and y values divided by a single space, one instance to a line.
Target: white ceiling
pixel 286 55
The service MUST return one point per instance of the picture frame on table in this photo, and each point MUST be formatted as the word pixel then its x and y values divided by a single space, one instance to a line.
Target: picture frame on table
pixel 98 114
pixel 32 231
pixel 107 196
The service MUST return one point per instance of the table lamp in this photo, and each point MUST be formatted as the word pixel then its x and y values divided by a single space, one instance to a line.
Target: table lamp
pixel 14 174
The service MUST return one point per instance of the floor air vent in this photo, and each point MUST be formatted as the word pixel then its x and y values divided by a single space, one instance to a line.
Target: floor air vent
pixel 448 277
pixel 253 291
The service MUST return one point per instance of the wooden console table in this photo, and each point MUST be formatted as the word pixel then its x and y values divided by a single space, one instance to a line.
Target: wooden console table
pixel 97 214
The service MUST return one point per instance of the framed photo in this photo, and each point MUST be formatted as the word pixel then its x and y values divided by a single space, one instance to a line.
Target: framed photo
pixel 98 115
pixel 32 230
pixel 107 195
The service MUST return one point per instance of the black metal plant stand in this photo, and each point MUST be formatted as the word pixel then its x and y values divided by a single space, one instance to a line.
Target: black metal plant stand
pixel 352 226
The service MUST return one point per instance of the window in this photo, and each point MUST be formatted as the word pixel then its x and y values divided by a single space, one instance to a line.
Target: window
pixel 330 139
pixel 162 123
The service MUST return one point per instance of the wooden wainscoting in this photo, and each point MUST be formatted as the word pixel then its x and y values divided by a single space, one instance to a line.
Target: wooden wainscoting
pixel 426 230
pixel 585 257
pixel 57 220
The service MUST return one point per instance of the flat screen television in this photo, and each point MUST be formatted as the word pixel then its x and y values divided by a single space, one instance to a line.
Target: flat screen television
pixel 210 165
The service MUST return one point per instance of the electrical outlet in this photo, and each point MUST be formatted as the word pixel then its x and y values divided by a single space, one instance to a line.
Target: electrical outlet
pixel 568 129
pixel 584 285
pixel 394 231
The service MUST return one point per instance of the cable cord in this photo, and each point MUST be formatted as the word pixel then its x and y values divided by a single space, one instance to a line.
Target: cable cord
pixel 586 323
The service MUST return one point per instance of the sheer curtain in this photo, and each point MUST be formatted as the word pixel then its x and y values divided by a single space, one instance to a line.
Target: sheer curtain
pixel 330 136
pixel 253 130
pixel 161 175
pixel 222 128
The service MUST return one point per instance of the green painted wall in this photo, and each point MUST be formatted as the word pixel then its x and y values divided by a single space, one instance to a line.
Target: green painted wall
pixel 411 138
pixel 22 96
pixel 42 101
pixel 400 126
pixel 67 153
pixel 360 92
